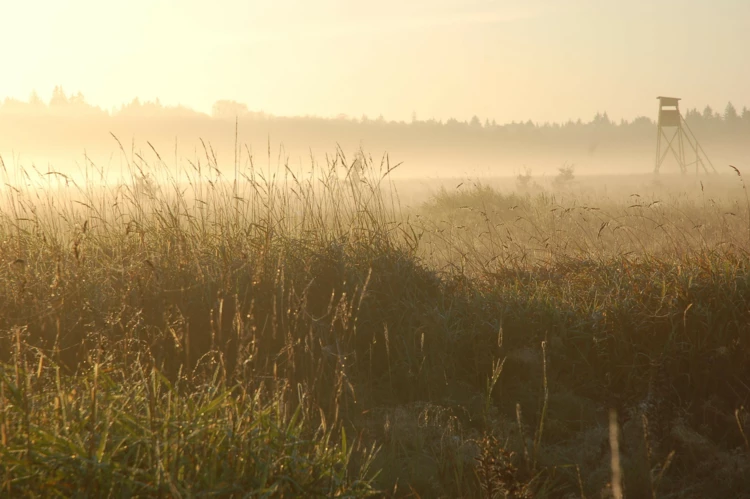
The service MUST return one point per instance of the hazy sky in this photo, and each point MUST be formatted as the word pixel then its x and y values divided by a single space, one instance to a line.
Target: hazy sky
pixel 505 60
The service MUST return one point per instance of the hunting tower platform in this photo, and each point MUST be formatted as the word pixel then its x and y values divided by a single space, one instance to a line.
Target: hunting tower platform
pixel 673 128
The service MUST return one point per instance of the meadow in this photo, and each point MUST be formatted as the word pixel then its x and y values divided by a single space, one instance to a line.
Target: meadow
pixel 284 333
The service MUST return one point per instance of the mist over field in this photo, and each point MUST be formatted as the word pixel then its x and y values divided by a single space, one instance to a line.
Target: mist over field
pixel 61 134
pixel 375 249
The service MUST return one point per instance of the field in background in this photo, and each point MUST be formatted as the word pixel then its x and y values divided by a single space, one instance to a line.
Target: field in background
pixel 337 333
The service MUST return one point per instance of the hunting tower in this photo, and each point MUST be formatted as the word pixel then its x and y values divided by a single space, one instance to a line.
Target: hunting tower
pixel 673 128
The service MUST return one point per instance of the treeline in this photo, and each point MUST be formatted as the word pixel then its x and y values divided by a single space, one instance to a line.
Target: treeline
pixel 75 105
pixel 67 124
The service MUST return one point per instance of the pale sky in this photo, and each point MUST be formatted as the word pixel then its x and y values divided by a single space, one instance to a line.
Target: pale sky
pixel 544 60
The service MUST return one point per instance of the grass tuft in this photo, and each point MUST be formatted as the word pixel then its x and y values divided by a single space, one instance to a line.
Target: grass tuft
pixel 176 333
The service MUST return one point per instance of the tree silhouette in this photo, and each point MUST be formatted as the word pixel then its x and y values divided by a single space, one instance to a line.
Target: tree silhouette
pixel 601 119
pixel 730 113
pixel 693 116
pixel 58 97
pixel 35 100
pixel 708 114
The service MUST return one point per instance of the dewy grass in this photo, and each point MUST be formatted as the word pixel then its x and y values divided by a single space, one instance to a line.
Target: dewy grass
pixel 284 333
pixel 127 431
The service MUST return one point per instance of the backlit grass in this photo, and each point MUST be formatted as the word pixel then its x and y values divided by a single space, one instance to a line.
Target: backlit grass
pixel 180 334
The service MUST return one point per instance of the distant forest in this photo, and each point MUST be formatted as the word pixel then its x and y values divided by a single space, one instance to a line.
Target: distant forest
pixel 67 125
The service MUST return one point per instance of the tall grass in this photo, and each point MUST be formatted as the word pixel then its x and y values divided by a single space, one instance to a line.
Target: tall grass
pixel 296 333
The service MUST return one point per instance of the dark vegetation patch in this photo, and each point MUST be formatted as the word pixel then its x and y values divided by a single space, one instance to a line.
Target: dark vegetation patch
pixel 293 340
